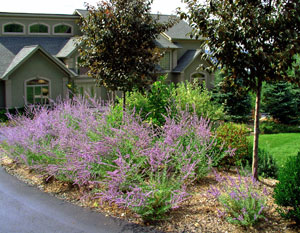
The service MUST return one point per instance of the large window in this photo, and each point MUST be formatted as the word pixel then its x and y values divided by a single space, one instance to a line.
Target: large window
pixel 39 28
pixel 37 91
pixel 13 28
pixel 62 29
pixel 165 62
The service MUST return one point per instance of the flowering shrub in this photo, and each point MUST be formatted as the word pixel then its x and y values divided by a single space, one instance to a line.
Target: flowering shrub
pixel 243 203
pixel 230 135
pixel 140 167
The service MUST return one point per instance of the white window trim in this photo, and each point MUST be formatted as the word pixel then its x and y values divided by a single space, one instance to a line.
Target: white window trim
pixel 62 34
pixel 14 33
pixel 39 33
pixel 34 78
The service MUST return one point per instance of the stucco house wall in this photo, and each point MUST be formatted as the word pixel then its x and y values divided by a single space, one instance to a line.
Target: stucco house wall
pixel 37 66
pixel 2 94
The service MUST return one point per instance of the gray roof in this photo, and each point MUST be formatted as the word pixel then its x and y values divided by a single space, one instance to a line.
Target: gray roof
pixel 25 53
pixel 19 58
pixel 51 44
pixel 5 59
pixel 12 49
pixel 185 60
pixel 180 30
pixel 69 47
pixel 162 42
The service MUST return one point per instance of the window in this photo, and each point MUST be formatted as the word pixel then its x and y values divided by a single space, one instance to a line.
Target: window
pixel 63 29
pixel 37 91
pixel 165 62
pixel 13 28
pixel 198 78
pixel 38 28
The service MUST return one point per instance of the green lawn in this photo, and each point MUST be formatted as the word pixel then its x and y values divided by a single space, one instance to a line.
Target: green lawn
pixel 280 145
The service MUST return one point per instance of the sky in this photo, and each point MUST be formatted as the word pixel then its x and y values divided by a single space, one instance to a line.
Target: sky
pixel 68 6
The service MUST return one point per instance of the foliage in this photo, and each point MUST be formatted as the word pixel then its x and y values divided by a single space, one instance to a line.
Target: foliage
pixel 165 99
pixel 242 202
pixel 128 161
pixel 118 43
pixel 286 192
pixel 237 103
pixel 272 127
pixel 198 99
pixel 252 41
pixel 230 135
pixel 281 100
pixel 4 113
pixel 154 104
pixel 267 166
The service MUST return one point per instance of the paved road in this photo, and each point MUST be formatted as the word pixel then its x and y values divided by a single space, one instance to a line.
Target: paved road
pixel 25 209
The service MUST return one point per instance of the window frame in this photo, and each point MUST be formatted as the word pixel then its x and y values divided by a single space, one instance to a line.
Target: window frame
pixel 63 34
pixel 13 33
pixel 170 61
pixel 39 33
pixel 37 78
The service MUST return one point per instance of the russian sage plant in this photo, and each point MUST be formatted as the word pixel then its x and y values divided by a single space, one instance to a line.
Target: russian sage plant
pixel 242 202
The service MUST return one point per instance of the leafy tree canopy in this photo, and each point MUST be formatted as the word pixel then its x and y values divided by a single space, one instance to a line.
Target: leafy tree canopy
pixel 252 40
pixel 118 43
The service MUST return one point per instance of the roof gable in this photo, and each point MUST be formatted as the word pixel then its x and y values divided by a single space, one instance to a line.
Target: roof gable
pixel 25 54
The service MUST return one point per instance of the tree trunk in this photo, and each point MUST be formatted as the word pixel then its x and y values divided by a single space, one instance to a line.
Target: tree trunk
pixel 256 132
pixel 124 100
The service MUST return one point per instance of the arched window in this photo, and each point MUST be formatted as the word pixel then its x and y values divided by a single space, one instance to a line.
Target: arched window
pixel 13 28
pixel 39 28
pixel 198 78
pixel 63 29
pixel 37 91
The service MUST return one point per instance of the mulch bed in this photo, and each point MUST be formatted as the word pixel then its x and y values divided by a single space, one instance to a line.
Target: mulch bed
pixel 197 214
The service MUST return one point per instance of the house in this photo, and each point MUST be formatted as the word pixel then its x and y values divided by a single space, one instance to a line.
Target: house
pixel 39 58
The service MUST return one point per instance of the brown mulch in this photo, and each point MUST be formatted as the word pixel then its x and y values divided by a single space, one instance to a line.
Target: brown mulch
pixel 197 214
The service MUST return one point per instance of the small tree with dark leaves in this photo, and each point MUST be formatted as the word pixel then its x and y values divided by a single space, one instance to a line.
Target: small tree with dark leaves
pixel 255 41
pixel 118 44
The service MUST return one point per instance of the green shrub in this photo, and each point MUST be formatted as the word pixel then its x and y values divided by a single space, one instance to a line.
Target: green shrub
pixel 3 113
pixel 271 127
pixel 287 191
pixel 198 99
pixel 267 166
pixel 165 99
pixel 230 135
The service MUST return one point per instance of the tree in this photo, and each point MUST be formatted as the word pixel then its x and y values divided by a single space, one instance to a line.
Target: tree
pixel 252 40
pixel 236 102
pixel 281 101
pixel 118 44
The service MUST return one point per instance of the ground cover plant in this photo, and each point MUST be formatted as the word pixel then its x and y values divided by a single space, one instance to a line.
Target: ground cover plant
pixel 126 161
pixel 242 203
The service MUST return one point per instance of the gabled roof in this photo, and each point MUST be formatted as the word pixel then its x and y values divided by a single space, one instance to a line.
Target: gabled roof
pixel 162 42
pixel 185 60
pixel 69 48
pixel 5 59
pixel 25 53
pixel 179 31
